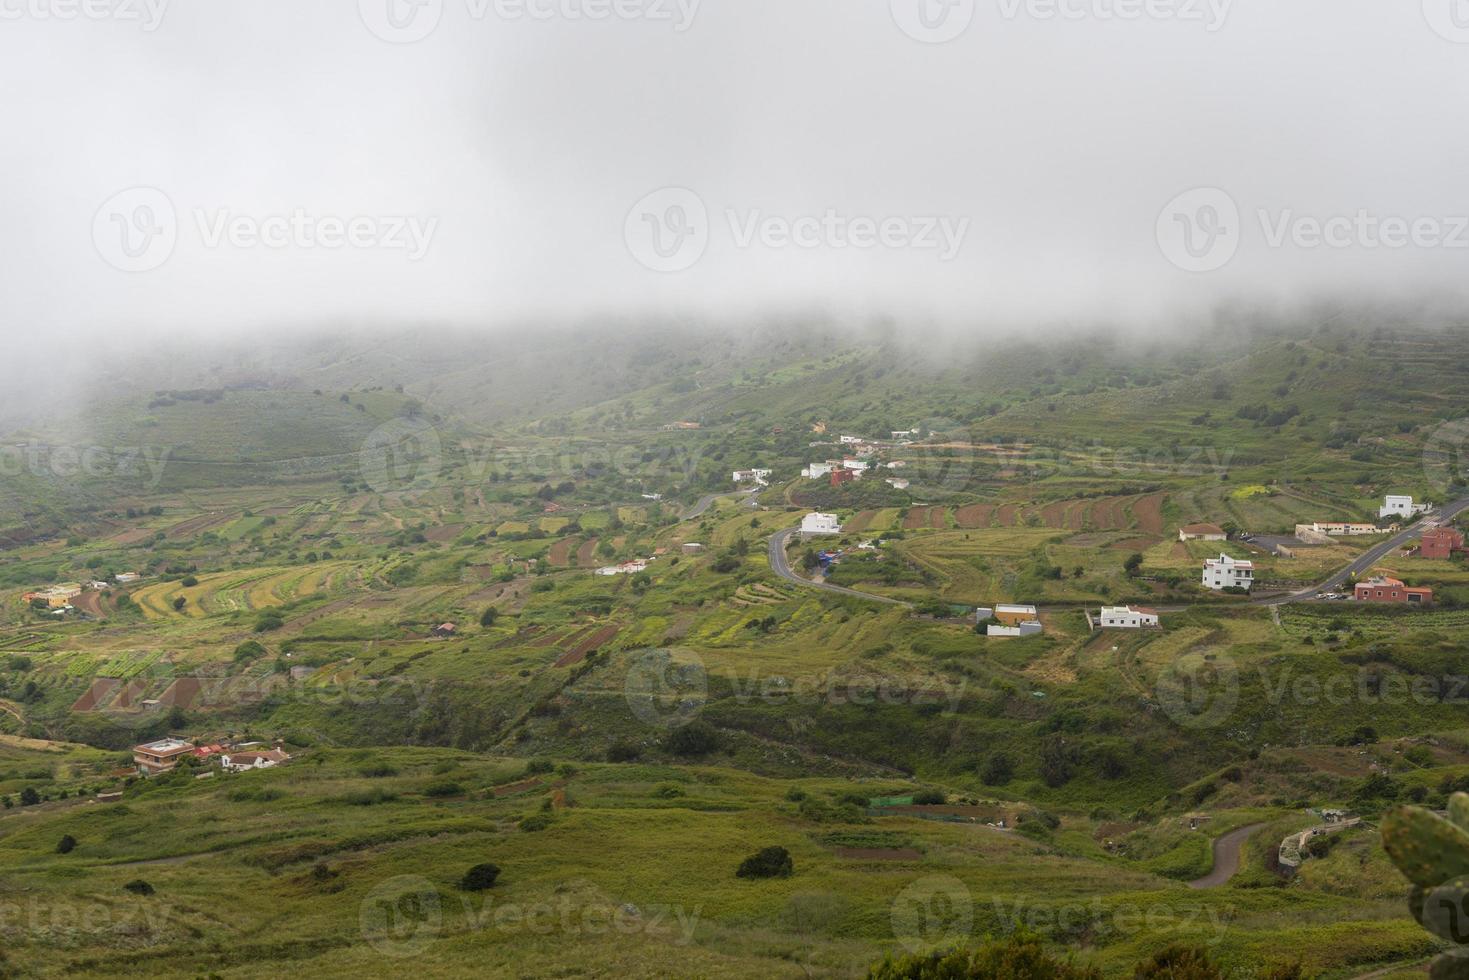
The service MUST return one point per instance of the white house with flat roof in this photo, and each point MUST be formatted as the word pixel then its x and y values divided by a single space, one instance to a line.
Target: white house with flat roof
pixel 751 476
pixel 1227 572
pixel 1397 505
pixel 1127 618
pixel 820 524
pixel 817 470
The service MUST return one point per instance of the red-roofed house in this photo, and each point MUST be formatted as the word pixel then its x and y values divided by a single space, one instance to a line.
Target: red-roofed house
pixel 1381 588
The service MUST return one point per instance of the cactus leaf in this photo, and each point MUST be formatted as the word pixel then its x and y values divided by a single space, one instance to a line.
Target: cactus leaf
pixel 1427 849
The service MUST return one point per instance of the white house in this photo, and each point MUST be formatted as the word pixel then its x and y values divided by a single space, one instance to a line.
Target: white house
pixel 897 483
pixel 1202 532
pixel 1029 627
pixel 1126 618
pixel 854 464
pixel 820 524
pixel 817 470
pixel 751 476
pixel 1395 505
pixel 904 434
pixel 626 568
pixel 1225 572
pixel 245 761
pixel 851 440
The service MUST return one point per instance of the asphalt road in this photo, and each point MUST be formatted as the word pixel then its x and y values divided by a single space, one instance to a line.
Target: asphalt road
pixel 1372 556
pixel 1226 857
pixel 702 505
pixel 782 567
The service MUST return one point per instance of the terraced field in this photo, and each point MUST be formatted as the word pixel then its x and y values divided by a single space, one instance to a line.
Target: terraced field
pixel 228 592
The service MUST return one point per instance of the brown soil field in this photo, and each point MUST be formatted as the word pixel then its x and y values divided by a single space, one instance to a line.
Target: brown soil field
pixel 974 516
pixel 1149 513
pixel 579 652
pixel 861 521
pixel 560 554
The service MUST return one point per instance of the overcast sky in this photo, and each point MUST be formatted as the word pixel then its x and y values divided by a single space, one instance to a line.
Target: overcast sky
pixel 481 161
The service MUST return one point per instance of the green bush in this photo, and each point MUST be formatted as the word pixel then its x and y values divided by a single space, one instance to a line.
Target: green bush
pixel 479 877
pixel 769 862
pixel 66 845
pixel 138 887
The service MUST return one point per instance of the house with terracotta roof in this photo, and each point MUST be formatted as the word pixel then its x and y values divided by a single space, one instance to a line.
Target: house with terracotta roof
pixel 1201 532
pixel 1382 588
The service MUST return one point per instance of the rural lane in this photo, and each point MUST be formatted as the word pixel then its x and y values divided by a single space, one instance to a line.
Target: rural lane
pixel 782 567
pixel 1226 857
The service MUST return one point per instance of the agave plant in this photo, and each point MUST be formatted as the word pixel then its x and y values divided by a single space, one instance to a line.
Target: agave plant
pixel 1433 854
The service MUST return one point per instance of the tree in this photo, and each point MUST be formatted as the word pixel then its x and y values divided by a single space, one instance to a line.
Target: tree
pixel 488 617
pixel 66 845
pixel 479 877
pixel 769 862
pixel 180 602
pixel 1133 564
pixel 29 796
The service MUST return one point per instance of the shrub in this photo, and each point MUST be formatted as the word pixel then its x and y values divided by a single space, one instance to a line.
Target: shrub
pixel 269 621
pixel 139 887
pixel 479 877
pixel 535 822
pixel 694 739
pixel 29 796
pixel 769 862
pixel 623 750
pixel 377 770
pixel 1178 963
pixel 66 845
pixel 442 788
pixel 997 770
pixel 929 797
pixel 1011 959
pixel 487 618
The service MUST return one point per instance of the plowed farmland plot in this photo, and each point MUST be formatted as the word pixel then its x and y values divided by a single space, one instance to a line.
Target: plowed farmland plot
pixel 561 552
pixel 1149 513
pixel 586 555
pixel 1007 515
pixel 861 522
pixel 975 515
pixel 586 644
pixel 917 518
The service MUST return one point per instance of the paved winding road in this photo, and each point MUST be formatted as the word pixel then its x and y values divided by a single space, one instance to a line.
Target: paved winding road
pixel 1368 558
pixel 705 502
pixel 1226 857
pixel 782 567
